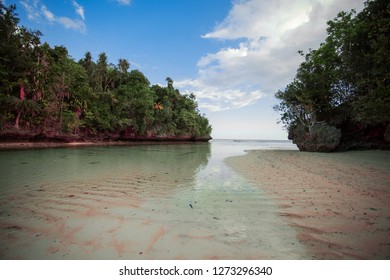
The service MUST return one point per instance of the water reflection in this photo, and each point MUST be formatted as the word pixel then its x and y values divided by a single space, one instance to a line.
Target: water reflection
pixel 66 164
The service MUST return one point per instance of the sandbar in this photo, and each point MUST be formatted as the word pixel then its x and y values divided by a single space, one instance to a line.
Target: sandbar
pixel 338 203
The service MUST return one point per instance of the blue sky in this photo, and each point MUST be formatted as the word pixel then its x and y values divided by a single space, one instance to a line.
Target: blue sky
pixel 232 54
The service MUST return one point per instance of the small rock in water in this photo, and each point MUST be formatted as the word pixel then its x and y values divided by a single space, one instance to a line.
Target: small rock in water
pixel 228 200
pixel 191 205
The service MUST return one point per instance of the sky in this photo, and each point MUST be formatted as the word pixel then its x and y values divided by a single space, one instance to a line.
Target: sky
pixel 234 55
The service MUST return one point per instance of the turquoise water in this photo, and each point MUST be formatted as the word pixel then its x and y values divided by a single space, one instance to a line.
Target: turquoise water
pixel 138 202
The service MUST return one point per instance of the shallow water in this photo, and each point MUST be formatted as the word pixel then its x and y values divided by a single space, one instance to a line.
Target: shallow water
pixel 138 202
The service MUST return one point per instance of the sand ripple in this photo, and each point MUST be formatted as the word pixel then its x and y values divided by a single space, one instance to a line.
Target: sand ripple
pixel 339 203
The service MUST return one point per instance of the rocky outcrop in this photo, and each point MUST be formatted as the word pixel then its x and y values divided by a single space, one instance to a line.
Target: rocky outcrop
pixel 347 136
pixel 361 136
pixel 321 138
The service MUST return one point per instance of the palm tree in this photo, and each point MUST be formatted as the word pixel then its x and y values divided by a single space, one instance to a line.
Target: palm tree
pixel 23 107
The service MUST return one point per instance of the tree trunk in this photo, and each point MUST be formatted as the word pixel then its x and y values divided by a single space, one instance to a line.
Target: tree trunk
pixel 17 120
pixel 22 96
pixel 21 92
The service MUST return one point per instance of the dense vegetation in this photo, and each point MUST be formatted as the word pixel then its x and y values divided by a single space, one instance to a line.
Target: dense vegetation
pixel 46 94
pixel 340 97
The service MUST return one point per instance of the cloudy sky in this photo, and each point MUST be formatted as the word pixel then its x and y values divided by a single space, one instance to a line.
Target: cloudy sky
pixel 233 54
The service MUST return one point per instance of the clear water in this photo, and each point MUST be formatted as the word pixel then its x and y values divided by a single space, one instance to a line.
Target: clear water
pixel 138 202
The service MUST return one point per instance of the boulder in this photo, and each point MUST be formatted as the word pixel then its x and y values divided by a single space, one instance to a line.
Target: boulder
pixel 321 138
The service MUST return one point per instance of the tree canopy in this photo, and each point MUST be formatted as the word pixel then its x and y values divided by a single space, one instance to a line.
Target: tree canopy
pixel 345 82
pixel 44 90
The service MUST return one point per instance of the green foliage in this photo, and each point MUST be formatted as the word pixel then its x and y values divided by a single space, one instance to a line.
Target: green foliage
pixel 42 88
pixel 347 77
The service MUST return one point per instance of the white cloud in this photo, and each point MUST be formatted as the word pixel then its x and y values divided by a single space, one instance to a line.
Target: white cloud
pixel 75 24
pixel 266 36
pixel 48 15
pixel 219 98
pixel 37 11
pixel 254 18
pixel 124 2
pixel 31 8
pixel 78 9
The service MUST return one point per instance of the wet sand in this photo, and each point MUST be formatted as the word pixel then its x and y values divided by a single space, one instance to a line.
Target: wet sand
pixel 338 203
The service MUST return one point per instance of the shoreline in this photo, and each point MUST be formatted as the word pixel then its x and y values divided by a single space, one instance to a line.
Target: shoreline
pixel 42 145
pixel 338 203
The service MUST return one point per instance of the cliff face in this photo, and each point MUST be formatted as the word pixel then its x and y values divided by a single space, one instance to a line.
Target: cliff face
pixel 358 136
pixel 348 136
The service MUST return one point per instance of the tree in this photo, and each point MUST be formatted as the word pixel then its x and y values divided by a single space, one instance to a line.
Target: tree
pixel 90 68
pixel 43 90
pixel 123 66
pixel 103 77
pixel 345 81
pixel 19 50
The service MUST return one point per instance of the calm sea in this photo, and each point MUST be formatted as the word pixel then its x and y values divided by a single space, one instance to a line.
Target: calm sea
pixel 138 202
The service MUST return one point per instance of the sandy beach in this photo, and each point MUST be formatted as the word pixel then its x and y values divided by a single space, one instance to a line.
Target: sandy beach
pixel 338 203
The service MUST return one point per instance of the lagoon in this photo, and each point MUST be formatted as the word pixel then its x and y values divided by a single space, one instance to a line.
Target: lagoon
pixel 176 201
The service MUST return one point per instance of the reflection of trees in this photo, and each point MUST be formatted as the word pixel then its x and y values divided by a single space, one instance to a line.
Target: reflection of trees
pixel 181 160
pixel 160 169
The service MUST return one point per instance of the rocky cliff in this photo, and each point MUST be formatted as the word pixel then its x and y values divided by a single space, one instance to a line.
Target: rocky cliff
pixel 348 136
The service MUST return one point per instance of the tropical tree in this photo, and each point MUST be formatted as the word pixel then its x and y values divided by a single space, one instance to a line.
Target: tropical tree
pixel 43 89
pixel 345 82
